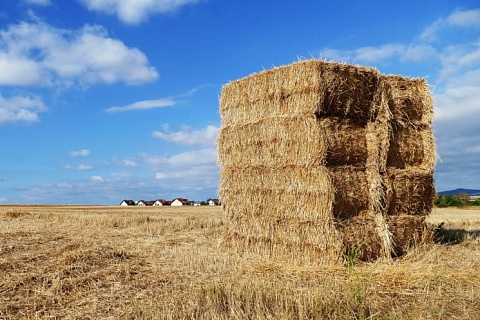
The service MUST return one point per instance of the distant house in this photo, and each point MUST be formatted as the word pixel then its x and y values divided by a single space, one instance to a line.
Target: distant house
pixel 182 202
pixel 143 203
pixel 213 202
pixel 162 202
pixel 127 203
pixel 177 203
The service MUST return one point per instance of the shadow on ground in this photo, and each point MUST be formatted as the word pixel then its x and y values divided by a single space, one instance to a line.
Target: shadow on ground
pixel 453 236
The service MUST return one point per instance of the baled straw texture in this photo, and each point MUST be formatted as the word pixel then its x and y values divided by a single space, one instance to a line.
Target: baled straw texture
pixel 280 210
pixel 288 90
pixel 273 142
pixel 346 142
pixel 411 147
pixel 410 101
pixel 409 191
pixel 286 192
pixel 360 236
pixel 348 91
pixel 356 190
pixel 306 87
pixel 407 232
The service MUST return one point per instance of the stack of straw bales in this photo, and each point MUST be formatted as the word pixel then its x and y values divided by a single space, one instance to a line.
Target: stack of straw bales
pixel 319 159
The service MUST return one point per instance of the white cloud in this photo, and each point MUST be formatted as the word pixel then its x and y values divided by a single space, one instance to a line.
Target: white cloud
pixel 459 18
pixel 125 162
pixel 20 109
pixel 135 11
pixel 186 159
pixel 79 167
pixel 384 53
pixel 374 54
pixel 80 153
pixel 144 105
pixel 467 18
pixel 189 136
pixel 96 179
pixel 52 56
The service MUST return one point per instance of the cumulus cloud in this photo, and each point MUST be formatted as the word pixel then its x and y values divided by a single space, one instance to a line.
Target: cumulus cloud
pixel 134 11
pixel 144 105
pixel 188 136
pixel 52 56
pixel 96 179
pixel 79 153
pixel 458 18
pixel 79 167
pixel 20 109
pixel 192 172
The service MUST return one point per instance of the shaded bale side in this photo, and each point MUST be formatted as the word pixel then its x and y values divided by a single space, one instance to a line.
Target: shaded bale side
pixel 273 142
pixel 346 142
pixel 407 232
pixel 349 92
pixel 363 238
pixel 306 87
pixel 409 191
pixel 356 190
pixel 410 101
pixel 410 147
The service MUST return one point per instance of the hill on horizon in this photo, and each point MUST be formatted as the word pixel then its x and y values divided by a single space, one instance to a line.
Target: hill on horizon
pixel 471 192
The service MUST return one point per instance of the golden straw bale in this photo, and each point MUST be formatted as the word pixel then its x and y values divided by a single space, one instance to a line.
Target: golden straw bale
pixel 410 101
pixel 346 142
pixel 305 87
pixel 295 191
pixel 287 90
pixel 273 142
pixel 361 237
pixel 349 91
pixel 409 191
pixel 412 147
pixel 356 190
pixel 277 236
pixel 407 232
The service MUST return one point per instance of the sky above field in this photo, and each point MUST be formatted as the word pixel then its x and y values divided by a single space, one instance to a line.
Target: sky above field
pixel 105 100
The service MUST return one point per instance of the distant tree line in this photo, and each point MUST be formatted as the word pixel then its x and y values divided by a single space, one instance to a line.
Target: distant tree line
pixel 456 200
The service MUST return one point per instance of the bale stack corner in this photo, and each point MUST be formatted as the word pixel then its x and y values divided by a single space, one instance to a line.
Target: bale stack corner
pixel 310 165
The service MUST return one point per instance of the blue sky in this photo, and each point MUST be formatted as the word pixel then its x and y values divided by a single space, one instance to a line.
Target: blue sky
pixel 105 100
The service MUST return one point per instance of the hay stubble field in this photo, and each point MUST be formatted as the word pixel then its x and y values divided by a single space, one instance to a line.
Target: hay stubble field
pixel 82 262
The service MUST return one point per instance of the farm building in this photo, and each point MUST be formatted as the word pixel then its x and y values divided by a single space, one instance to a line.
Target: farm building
pixel 319 160
pixel 127 203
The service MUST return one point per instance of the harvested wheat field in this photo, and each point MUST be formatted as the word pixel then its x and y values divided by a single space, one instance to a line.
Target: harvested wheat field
pixel 75 262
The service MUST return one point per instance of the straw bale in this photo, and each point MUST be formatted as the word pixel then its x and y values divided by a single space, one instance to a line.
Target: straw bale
pixel 409 191
pixel 361 237
pixel 346 142
pixel 305 87
pixel 273 142
pixel 408 231
pixel 349 91
pixel 356 190
pixel 410 101
pixel 294 191
pixel 412 147
pixel 288 90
